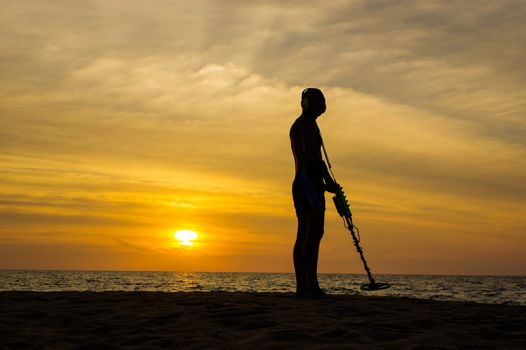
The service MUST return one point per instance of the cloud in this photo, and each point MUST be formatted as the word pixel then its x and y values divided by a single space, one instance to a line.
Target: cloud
pixel 173 110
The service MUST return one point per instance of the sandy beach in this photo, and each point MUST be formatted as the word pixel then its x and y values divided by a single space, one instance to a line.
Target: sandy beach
pixel 220 320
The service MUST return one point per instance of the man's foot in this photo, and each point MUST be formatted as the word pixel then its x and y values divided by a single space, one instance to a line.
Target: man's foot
pixel 317 293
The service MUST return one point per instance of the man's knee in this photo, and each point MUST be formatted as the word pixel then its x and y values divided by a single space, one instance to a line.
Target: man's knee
pixel 317 234
pixel 315 229
pixel 316 218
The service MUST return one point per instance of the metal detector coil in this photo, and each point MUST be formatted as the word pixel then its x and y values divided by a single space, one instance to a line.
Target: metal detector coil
pixel 376 286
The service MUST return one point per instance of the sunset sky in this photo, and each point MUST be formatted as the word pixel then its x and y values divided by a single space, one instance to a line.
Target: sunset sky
pixel 122 122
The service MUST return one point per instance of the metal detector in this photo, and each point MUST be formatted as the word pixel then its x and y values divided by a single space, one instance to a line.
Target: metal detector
pixel 343 208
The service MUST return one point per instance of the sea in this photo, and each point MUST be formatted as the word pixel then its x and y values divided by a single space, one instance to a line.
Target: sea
pixel 480 289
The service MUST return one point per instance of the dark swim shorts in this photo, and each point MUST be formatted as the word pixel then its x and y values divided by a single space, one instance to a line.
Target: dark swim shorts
pixel 307 193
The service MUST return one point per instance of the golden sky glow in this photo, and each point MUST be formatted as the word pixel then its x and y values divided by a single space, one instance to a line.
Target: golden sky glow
pixel 122 122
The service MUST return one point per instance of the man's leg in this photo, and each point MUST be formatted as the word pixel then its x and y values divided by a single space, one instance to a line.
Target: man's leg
pixel 311 247
pixel 299 256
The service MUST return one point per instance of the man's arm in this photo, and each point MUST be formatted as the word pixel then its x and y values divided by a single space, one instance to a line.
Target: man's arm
pixel 313 152
pixel 330 185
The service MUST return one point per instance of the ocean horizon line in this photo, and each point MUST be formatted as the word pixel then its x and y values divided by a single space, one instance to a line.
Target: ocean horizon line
pixel 264 272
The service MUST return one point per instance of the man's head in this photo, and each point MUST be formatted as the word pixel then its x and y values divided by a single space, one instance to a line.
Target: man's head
pixel 313 102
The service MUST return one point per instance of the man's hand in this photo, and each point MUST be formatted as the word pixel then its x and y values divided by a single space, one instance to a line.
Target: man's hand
pixel 331 187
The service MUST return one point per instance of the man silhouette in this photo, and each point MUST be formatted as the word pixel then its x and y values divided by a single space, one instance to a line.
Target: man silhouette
pixel 310 183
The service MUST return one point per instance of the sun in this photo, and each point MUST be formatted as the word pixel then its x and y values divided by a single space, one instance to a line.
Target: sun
pixel 185 237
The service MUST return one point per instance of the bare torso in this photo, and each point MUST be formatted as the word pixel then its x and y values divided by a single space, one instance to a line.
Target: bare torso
pixel 305 141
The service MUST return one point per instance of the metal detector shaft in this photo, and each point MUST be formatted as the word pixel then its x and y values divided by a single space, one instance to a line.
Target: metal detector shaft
pixel 359 249
pixel 343 208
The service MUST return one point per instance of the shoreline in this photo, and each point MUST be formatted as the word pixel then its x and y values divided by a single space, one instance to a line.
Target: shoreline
pixel 244 320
